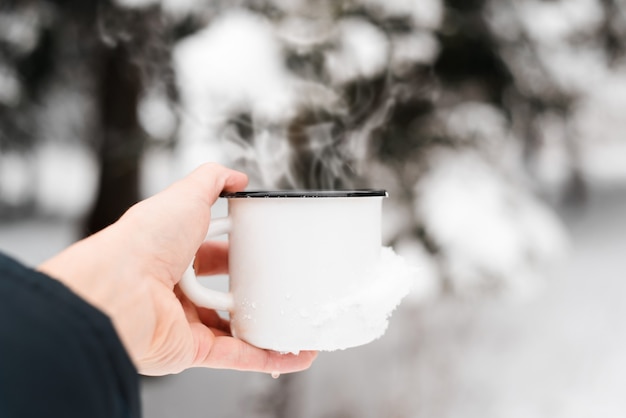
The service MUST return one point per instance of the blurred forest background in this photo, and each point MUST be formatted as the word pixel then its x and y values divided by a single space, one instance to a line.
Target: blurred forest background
pixel 493 124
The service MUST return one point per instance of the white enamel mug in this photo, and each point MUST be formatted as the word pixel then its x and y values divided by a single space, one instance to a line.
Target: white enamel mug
pixel 298 262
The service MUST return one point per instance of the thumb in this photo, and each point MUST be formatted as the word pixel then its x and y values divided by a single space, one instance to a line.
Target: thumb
pixel 173 223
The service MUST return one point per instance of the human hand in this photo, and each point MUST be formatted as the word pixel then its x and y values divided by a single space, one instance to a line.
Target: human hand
pixel 130 271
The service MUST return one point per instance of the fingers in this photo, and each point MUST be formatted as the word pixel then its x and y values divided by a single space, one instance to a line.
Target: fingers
pixel 191 198
pixel 211 258
pixel 230 353
pixel 211 319
pixel 210 179
pixel 170 226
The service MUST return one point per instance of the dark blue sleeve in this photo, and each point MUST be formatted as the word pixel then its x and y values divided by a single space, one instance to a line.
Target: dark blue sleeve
pixel 59 355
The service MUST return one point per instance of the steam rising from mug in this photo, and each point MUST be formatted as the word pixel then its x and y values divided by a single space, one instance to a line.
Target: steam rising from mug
pixel 307 270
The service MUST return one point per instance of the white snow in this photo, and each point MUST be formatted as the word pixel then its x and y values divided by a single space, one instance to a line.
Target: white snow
pixel 66 178
pixel 155 115
pixel 492 233
pixel 372 304
pixel 362 52
pixel 233 63
pixel 427 14
pixel 556 21
pixel 600 125
pixel 20 28
pixel 16 178
pixel 413 48
pixel 10 88
pixel 427 277
pixel 137 4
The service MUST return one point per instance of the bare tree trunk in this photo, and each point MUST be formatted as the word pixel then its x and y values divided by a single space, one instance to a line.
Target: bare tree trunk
pixel 121 141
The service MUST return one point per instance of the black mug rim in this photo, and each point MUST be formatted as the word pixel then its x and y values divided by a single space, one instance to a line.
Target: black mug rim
pixel 305 193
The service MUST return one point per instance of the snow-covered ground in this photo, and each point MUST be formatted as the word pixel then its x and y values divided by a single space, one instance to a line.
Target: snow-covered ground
pixel 557 354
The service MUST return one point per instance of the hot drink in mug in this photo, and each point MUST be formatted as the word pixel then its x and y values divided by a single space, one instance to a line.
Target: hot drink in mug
pixel 305 270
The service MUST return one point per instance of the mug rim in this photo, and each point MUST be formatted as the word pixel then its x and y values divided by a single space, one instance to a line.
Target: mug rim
pixel 305 193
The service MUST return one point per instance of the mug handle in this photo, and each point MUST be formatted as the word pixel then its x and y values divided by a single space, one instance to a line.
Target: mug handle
pixel 198 294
